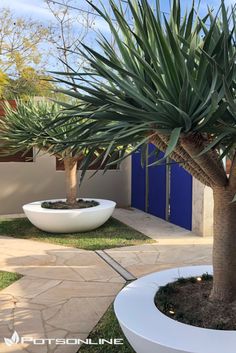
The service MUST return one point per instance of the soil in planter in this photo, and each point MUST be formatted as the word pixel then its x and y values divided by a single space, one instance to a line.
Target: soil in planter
pixel 61 205
pixel 187 300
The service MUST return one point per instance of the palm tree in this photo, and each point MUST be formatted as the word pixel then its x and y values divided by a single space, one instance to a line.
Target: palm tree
pixel 27 126
pixel 170 81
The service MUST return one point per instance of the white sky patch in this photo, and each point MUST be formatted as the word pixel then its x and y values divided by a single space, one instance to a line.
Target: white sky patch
pixel 230 2
pixel 37 11
pixel 216 3
pixel 100 25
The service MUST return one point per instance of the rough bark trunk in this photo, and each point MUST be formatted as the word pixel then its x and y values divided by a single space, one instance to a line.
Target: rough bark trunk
pixel 183 158
pixel 224 248
pixel 70 164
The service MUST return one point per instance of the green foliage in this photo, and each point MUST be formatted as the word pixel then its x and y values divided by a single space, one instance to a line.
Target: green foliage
pixel 31 125
pixel 111 235
pixel 50 128
pixel 4 81
pixel 7 278
pixel 23 56
pixel 38 124
pixel 21 43
pixel 28 84
pixel 174 76
pixel 108 327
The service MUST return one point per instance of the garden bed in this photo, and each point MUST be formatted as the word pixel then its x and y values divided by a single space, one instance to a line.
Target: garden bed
pixel 188 301
pixel 61 205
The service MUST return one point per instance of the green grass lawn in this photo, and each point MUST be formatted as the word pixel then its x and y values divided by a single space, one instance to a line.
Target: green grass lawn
pixel 7 278
pixel 112 234
pixel 107 328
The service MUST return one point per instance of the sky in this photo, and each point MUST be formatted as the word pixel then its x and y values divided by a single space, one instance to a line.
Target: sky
pixel 37 10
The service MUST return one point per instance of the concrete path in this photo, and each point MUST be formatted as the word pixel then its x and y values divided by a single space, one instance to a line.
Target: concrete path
pixel 63 294
pixel 175 246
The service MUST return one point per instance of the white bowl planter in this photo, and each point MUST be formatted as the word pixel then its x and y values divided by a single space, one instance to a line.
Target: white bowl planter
pixel 69 221
pixel 150 331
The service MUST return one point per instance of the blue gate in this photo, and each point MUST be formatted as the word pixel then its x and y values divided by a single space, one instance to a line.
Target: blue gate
pixel 156 187
pixel 164 190
pixel 138 180
pixel 180 197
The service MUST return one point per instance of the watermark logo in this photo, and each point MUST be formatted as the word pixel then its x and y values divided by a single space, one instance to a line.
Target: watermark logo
pixel 15 339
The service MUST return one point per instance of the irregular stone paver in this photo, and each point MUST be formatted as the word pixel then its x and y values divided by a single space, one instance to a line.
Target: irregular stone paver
pixel 69 289
pixel 175 246
pixel 152 226
pixel 63 294
pixel 65 291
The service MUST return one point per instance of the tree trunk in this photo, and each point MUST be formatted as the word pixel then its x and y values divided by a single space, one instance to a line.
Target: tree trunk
pixel 70 164
pixel 224 248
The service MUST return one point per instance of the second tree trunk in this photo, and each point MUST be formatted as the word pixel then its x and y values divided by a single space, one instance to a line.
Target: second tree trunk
pixel 70 164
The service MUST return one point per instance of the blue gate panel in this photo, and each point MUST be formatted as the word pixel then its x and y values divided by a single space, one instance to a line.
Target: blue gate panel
pixel 180 197
pixel 138 182
pixel 157 186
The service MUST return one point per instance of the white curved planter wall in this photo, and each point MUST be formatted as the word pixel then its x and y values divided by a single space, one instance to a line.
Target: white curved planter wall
pixel 150 331
pixel 69 221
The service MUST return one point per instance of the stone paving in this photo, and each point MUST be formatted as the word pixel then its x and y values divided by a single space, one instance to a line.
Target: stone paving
pixel 175 246
pixel 65 291
pixel 63 294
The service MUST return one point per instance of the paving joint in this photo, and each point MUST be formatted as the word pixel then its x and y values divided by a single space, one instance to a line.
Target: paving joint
pixel 115 266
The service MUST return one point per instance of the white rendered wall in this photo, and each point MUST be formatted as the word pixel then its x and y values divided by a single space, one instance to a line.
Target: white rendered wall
pixel 21 183
pixel 202 216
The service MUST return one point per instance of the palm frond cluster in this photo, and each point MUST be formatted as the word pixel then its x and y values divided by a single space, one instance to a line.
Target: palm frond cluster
pixel 169 81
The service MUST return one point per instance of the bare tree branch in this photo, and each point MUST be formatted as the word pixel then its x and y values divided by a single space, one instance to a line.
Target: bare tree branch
pixel 67 34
